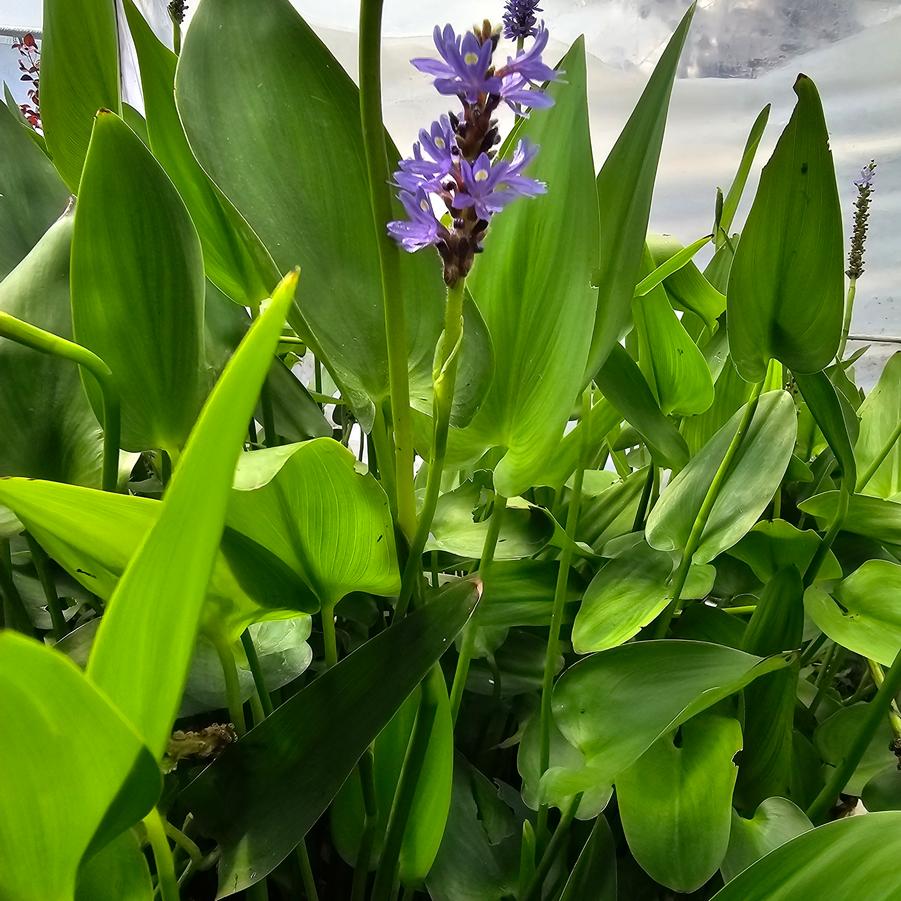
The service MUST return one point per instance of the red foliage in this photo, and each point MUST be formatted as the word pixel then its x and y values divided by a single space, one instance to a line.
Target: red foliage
pixel 30 67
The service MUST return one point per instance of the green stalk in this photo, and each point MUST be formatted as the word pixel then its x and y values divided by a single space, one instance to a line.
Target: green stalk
pixel 550 654
pixel 846 322
pixel 879 459
pixel 48 343
pixel 894 716
pixel 444 377
pixel 306 871
pixel 42 565
pixel 876 710
pixel 15 615
pixel 384 458
pixel 183 841
pixel 329 636
pixel 380 202
pixel 232 685
pixel 555 845
pixel 827 673
pixel 469 630
pixel 844 498
pixel 700 523
pixel 162 856
pixel 256 671
pixel 370 820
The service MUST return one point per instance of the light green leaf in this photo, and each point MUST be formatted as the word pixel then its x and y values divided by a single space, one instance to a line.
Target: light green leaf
pixel 872 517
pixel 786 288
pixel 313 507
pixel 846 860
pixel 775 822
pixel 264 793
pixel 861 613
pixel 736 189
pixel 776 544
pixel 79 76
pixel 676 802
pixel 614 705
pixel 880 414
pixel 533 288
pixel 625 186
pixel 145 642
pixel 118 872
pixel 750 483
pixel 62 724
pixel 137 288
pixel 594 874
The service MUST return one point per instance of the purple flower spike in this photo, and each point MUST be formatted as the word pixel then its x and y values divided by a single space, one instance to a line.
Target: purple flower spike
pixel 440 146
pixel 519 19
pixel 489 188
pixel 465 67
pixel 422 229
pixel 528 64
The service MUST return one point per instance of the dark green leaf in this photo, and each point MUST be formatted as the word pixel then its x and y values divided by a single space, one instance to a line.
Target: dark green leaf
pixel 594 875
pixel 823 402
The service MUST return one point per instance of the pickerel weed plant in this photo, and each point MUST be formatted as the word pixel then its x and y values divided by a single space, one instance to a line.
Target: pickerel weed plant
pixel 568 570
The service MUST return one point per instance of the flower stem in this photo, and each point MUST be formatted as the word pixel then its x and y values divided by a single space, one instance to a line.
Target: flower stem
pixel 306 872
pixel 46 342
pixel 846 322
pixel 554 847
pixel 256 671
pixel 42 566
pixel 879 459
pixel 469 630
pixel 380 203
pixel 876 709
pixel 700 523
pixel 444 379
pixel 370 821
pixel 162 856
pixel 232 685
pixel 329 636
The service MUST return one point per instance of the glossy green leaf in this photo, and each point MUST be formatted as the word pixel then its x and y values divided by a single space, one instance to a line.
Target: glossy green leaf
pixel 624 386
pixel 233 257
pixel 226 94
pixel 872 517
pixel 117 872
pixel 318 511
pixel 611 513
pixel 846 860
pixel 428 814
pixel 625 186
pixel 786 287
pixel 883 791
pixel 614 705
pixel 79 76
pixel 775 822
pixel 62 725
pixel 32 195
pixel 750 483
pixel 533 288
pixel 137 288
pixel 674 367
pixel 594 874
pixel 49 430
pixel 775 544
pixel 880 414
pixel 522 593
pixel 823 402
pixel 145 642
pixel 676 802
pixel 264 793
pixel 861 613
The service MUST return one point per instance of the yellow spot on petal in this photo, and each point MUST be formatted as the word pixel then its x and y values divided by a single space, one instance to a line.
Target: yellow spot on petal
pixel 481 175
pixel 439 143
pixel 471 58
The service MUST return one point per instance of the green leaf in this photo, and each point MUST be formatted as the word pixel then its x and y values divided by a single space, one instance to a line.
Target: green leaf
pixel 625 186
pixel 674 367
pixel 823 402
pixel 879 417
pixel 736 189
pixel 786 287
pixel 676 802
pixel 145 642
pixel 861 612
pixel 63 725
pixel 32 195
pixel 117 872
pixel 614 705
pixel 533 288
pixel 428 814
pixel 594 875
pixel 872 517
pixel 79 76
pixel 883 791
pixel 137 288
pixel 612 512
pixel 624 386
pixel 234 259
pixel 775 822
pixel 264 793
pixel 843 861
pixel 750 483
pixel 775 544
pixel 49 430
pixel 318 511
pixel 226 93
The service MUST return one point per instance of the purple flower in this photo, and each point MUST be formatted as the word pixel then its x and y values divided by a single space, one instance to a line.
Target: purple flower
pixel 519 19
pixel 440 146
pixel 488 187
pixel 465 67
pixel 528 64
pixel 865 179
pixel 422 229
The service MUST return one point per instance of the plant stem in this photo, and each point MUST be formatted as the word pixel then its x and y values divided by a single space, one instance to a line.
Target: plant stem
pixel 700 523
pixel 183 841
pixel 370 820
pixel 232 685
pixel 641 512
pixel 48 343
pixel 256 671
pixel 306 871
pixel 384 458
pixel 469 630
pixel 844 497
pixel 553 640
pixel 444 378
pixel 329 637
pixel 824 679
pixel 876 709
pixel 879 459
pixel 554 847
pixel 42 566
pixel 894 715
pixel 162 856
pixel 15 615
pixel 380 203
pixel 846 322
